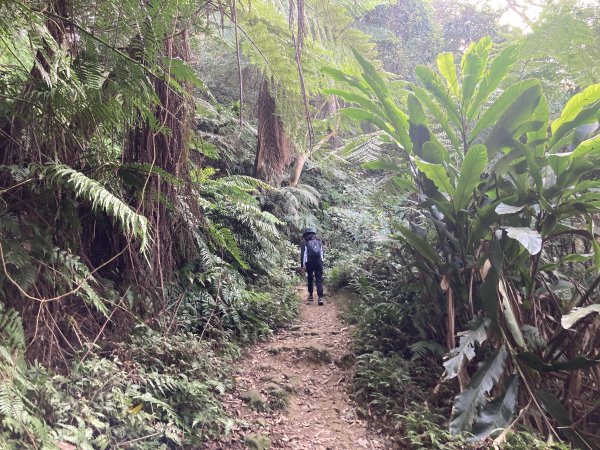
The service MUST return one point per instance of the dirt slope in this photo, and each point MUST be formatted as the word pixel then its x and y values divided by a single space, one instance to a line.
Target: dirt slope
pixel 292 390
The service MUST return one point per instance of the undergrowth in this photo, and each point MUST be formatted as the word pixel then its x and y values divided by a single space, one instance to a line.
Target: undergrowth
pixel 159 390
pixel 398 369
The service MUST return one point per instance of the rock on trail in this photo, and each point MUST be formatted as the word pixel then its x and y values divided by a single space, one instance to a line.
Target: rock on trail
pixel 291 391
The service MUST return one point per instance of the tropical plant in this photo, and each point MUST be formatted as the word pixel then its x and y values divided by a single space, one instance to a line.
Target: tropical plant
pixel 496 182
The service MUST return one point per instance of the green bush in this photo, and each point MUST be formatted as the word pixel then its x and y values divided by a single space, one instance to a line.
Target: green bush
pixel 384 383
pixel 420 427
pixel 158 392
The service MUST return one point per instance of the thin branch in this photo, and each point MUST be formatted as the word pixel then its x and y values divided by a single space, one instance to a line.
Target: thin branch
pixel 238 60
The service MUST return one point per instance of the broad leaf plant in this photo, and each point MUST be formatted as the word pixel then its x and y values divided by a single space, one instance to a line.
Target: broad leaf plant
pixel 494 182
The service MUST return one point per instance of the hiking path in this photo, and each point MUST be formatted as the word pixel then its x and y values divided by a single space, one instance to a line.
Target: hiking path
pixel 291 392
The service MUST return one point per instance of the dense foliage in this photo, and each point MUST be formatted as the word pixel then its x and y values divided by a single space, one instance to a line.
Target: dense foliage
pixel 156 159
pixel 493 186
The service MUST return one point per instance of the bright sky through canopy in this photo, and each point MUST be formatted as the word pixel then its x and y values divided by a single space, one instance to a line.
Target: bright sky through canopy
pixel 515 12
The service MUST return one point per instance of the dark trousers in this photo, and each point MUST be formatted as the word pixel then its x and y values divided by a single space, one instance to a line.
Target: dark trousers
pixel 314 270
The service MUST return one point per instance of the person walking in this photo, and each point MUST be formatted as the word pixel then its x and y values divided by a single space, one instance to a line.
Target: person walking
pixel 312 257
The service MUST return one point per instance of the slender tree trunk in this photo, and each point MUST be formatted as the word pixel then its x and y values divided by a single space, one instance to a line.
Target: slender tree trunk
pixel 297 172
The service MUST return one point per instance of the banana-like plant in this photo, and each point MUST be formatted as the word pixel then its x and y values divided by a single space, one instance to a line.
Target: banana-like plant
pixel 496 182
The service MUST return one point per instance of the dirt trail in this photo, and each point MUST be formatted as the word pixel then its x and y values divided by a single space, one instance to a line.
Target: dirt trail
pixel 292 389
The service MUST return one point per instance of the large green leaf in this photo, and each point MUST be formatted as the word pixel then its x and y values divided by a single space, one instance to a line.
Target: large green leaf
pixel 575 104
pixel 420 245
pixel 476 334
pixel 587 115
pixel 394 115
pixel 434 84
pixel 365 102
pixel 498 69
pixel 437 174
pixel 534 169
pixel 417 125
pixel 503 208
pixel 507 162
pixel 485 218
pixel 528 238
pixel 473 166
pixel 596 255
pixel 559 162
pixel 400 122
pixel 364 115
pixel 579 362
pixel 473 65
pixel 434 152
pixel 445 63
pixel 518 112
pixel 415 110
pixel 563 144
pixel 341 77
pixel 501 105
pixel 577 168
pixel 568 320
pixel 372 76
pixel 537 138
pixel 588 149
pixel 467 403
pixel 437 114
pixel 497 414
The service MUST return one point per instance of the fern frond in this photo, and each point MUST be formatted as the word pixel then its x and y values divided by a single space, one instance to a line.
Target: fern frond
pixel 75 273
pixel 363 148
pixel 304 193
pixel 422 349
pixel 9 223
pixel 92 191
pixel 11 328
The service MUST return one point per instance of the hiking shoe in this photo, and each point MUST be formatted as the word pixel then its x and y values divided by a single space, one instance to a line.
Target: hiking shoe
pixel 320 301
pixel 310 298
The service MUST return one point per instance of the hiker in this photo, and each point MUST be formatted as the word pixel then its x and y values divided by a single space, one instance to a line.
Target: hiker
pixel 311 259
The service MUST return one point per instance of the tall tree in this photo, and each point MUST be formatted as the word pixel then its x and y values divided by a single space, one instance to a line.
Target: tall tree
pixel 406 34
pixel 290 44
pixel 95 124
pixel 463 22
pixel 563 49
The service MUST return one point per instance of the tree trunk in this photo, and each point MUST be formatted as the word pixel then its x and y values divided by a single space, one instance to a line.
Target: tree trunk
pixel 274 151
pixel 162 201
pixel 297 172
